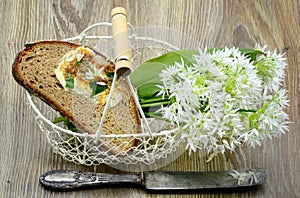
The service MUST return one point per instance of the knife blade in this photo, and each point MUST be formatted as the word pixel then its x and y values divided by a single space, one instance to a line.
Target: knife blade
pixel 154 180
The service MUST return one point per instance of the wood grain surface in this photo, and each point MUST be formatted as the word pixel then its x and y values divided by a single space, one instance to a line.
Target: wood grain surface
pixel 25 155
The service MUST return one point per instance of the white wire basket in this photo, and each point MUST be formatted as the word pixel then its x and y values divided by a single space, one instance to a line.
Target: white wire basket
pixel 150 151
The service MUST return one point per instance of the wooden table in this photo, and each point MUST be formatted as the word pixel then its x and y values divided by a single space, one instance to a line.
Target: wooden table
pixel 25 155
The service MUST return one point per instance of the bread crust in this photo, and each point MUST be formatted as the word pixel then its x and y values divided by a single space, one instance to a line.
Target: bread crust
pixel 16 72
pixel 43 83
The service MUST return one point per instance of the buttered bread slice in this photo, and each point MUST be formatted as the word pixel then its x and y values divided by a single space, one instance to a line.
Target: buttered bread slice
pixel 36 68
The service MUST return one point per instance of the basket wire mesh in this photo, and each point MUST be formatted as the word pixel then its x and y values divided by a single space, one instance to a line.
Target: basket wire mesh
pixel 150 151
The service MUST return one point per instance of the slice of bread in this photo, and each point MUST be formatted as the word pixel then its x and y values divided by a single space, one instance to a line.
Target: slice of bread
pixel 34 70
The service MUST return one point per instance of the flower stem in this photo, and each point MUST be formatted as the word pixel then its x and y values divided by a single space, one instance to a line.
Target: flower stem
pixel 248 110
pixel 154 115
pixel 153 103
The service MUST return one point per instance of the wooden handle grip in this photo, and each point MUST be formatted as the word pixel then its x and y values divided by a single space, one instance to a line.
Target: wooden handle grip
pixel 121 42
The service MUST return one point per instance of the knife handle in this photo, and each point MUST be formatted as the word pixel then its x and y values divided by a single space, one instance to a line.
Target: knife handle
pixel 70 180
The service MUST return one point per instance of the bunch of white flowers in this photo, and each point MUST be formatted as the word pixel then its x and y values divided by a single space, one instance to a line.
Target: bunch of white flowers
pixel 226 99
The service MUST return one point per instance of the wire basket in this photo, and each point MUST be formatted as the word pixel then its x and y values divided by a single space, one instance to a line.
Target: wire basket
pixel 150 151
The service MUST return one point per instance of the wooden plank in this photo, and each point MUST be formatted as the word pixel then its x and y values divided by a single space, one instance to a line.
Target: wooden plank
pixel 24 152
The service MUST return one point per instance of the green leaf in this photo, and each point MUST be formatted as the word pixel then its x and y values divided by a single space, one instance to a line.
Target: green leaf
pixel 59 119
pixel 96 88
pixel 66 122
pixel 149 71
pixel 148 90
pixel 251 53
pixel 70 83
pixel 146 77
pixel 110 74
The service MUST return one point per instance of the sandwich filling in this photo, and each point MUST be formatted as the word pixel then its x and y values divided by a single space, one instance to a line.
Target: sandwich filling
pixel 83 72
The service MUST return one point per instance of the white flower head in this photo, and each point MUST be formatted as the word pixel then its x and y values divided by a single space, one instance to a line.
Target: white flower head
pixel 222 100
pixel 271 66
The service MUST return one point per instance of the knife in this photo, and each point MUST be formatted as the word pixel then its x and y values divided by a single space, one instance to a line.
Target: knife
pixel 154 180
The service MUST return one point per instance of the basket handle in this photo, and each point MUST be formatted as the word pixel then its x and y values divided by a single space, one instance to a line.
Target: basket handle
pixel 122 53
pixel 121 41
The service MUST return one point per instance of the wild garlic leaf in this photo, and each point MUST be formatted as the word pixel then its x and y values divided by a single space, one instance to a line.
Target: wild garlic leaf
pixel 149 70
pixel 251 53
pixel 146 76
pixel 96 88
pixel 66 122
pixel 70 83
